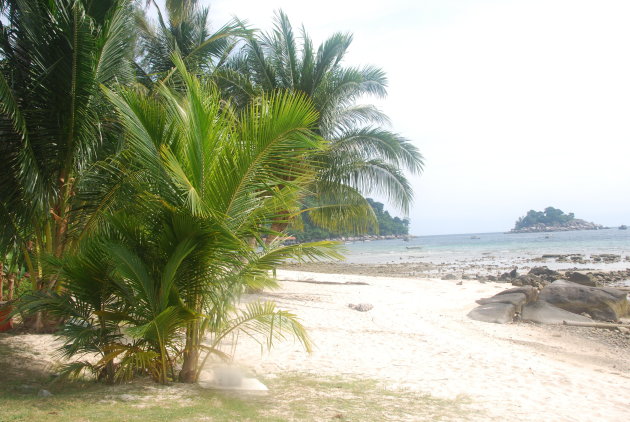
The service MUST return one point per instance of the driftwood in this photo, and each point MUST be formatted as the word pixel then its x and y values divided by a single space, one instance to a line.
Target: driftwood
pixel 360 283
pixel 605 325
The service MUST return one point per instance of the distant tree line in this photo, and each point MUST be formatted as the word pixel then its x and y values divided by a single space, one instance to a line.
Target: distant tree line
pixel 550 217
pixel 387 225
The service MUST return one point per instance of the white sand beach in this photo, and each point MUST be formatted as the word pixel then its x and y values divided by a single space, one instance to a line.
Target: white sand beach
pixel 417 337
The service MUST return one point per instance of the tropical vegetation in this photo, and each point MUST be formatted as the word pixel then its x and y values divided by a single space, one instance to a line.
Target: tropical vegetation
pixel 152 170
pixel 387 226
pixel 549 217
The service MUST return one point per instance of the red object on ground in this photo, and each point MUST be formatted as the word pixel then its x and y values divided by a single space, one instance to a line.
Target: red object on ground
pixel 5 322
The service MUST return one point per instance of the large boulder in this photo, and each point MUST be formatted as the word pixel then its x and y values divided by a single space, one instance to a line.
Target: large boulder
pixel 581 278
pixel 516 299
pixel 545 313
pixel 499 313
pixel 601 303
pixel 530 292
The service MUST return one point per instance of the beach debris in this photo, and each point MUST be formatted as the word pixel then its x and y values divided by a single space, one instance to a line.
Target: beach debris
pixel 605 325
pixel 361 307
pixel 602 303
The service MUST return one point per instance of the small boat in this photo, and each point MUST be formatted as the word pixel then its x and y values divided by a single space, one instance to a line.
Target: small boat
pixel 623 227
pixel 414 247
pixel 475 237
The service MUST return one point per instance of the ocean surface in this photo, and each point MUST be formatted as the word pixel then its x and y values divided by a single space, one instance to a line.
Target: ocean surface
pixel 496 248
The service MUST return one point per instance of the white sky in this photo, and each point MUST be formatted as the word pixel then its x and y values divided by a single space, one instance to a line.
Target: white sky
pixel 515 104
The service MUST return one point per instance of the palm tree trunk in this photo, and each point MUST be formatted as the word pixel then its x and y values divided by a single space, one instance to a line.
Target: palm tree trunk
pixel 188 372
pixel 10 286
pixel 278 225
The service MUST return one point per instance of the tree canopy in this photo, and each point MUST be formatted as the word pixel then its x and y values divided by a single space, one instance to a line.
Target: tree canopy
pixel 387 225
pixel 550 217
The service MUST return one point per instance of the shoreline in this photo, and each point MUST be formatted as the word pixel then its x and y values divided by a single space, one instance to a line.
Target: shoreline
pixel 470 270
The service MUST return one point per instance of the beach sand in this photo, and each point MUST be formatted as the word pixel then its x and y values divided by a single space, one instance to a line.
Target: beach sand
pixel 417 337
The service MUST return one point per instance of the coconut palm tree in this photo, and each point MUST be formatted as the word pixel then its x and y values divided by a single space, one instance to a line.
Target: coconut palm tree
pixel 363 158
pixel 182 28
pixel 54 56
pixel 166 269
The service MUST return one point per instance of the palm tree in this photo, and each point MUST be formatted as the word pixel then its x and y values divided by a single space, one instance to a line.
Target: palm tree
pixel 54 56
pixel 363 158
pixel 187 240
pixel 182 29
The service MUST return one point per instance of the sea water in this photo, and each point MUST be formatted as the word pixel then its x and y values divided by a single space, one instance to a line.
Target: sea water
pixel 491 248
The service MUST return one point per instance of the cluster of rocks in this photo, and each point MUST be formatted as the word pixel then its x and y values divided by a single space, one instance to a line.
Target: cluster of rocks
pixel 576 224
pixel 559 302
pixel 539 277
pixel 604 258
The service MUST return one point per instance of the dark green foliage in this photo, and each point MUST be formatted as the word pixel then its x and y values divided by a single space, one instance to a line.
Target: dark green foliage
pixel 387 225
pixel 550 217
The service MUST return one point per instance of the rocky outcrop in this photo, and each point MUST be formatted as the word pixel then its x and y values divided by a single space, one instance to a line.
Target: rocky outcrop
pixel 498 313
pixel 576 224
pixel 580 278
pixel 542 312
pixel 529 280
pixel 601 303
pixel 530 292
pixel 504 306
pixel 545 273
pixel 559 302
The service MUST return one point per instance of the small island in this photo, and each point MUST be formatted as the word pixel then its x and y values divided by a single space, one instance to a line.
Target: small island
pixel 551 220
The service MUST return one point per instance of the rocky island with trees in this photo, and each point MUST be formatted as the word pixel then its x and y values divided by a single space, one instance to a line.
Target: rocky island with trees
pixel 551 220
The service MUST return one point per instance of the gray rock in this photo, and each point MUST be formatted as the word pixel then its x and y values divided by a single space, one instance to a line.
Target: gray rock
pixel 498 313
pixel 545 313
pixel 545 273
pixel 601 303
pixel 530 292
pixel 529 280
pixel 44 393
pixel 516 299
pixel 361 307
pixel 580 278
pixel 449 277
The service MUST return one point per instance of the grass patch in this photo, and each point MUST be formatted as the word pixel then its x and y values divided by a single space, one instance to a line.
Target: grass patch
pixel 292 397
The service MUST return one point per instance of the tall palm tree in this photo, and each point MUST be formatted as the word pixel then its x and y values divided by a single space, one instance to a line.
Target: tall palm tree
pixel 54 56
pixel 182 28
pixel 363 158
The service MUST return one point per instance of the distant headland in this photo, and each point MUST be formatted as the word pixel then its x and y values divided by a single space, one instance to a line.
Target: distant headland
pixel 551 220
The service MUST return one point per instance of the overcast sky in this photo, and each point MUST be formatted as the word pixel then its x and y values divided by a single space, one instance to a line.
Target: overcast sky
pixel 515 104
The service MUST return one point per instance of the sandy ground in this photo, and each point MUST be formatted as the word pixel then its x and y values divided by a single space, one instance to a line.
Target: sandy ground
pixel 418 337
